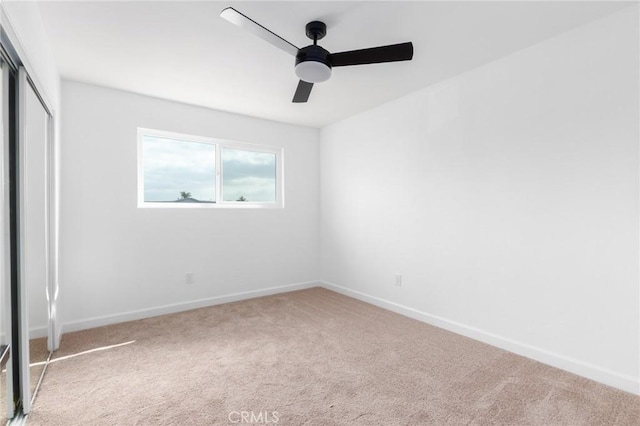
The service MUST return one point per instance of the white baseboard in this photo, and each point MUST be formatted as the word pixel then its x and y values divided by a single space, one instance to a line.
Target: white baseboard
pixel 38 332
pixel 180 307
pixel 572 365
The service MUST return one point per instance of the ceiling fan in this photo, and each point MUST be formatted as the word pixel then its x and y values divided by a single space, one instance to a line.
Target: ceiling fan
pixel 313 63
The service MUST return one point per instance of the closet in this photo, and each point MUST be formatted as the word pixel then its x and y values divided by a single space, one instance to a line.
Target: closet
pixel 27 227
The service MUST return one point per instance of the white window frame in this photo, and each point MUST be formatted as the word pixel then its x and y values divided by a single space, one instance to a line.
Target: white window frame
pixel 219 145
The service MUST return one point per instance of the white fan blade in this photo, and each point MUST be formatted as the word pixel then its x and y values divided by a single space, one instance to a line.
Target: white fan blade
pixel 246 23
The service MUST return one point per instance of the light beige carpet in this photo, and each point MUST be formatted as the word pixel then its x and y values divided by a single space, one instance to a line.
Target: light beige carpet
pixel 316 358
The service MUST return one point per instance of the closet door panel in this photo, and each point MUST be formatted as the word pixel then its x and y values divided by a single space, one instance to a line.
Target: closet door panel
pixel 35 233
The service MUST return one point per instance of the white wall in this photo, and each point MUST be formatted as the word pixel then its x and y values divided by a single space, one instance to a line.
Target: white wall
pixel 117 260
pixel 507 198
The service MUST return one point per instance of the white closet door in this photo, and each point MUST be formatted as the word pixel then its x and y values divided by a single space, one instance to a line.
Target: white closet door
pixel 35 219
pixel 5 246
pixel 33 190
pixel 25 377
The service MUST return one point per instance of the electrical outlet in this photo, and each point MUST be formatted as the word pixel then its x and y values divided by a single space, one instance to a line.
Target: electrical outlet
pixel 398 280
pixel 188 278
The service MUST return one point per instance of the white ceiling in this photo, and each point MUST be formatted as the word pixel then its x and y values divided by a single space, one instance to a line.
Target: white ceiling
pixel 183 51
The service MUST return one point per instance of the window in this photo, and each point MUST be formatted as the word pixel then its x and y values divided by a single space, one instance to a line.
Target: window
pixel 176 170
pixel 248 175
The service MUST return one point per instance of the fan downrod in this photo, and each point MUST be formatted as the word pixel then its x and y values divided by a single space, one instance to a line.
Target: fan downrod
pixel 316 30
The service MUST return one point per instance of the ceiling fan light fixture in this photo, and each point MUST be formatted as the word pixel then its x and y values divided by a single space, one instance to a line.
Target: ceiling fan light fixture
pixel 313 71
pixel 312 64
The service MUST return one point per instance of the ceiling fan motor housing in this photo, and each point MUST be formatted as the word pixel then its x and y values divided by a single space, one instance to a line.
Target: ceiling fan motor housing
pixel 312 64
